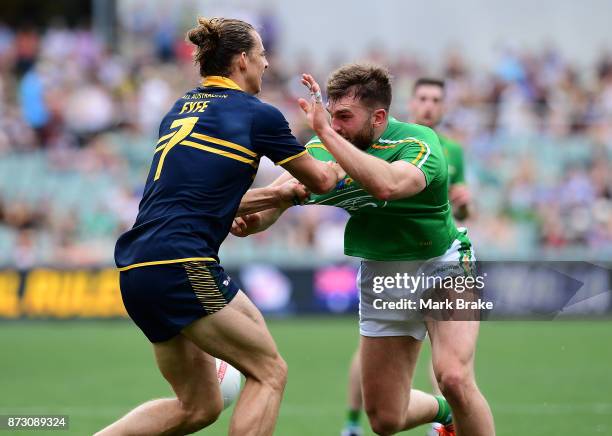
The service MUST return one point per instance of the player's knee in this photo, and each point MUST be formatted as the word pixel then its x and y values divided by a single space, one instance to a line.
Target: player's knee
pixel 384 418
pixel 203 415
pixel 278 374
pixel 455 384
pixel 272 372
pixel 383 421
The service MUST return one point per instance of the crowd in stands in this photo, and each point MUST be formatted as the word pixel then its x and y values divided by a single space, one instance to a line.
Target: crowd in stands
pixel 79 120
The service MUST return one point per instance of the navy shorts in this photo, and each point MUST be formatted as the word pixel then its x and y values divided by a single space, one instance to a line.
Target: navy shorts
pixel 164 299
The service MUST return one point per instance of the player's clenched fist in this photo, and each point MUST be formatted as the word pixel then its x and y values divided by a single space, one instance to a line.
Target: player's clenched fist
pixel 340 173
pixel 243 226
pixel 292 193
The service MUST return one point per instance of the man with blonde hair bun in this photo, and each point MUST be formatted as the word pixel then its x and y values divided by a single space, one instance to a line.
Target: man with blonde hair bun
pixel 173 287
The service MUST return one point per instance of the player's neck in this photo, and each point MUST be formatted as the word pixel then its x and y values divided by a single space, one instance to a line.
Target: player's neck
pixel 241 81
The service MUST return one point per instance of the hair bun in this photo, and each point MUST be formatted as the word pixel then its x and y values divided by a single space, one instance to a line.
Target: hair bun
pixel 217 40
pixel 206 34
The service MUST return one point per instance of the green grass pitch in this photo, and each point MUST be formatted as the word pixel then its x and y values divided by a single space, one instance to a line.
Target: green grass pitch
pixel 541 378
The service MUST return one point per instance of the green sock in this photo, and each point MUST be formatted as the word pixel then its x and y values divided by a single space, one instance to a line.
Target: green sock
pixel 352 417
pixel 444 415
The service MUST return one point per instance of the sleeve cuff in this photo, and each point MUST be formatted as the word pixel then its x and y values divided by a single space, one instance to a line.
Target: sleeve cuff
pixel 290 158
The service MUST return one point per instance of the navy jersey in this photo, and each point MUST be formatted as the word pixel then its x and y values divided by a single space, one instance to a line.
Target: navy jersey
pixel 205 159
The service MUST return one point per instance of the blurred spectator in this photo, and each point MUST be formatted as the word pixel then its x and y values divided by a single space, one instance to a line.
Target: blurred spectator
pixel 32 100
pixel 78 124
pixel 26 45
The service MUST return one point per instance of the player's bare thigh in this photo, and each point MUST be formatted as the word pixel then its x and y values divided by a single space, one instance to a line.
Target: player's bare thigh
pixel 237 334
pixel 387 368
pixel 453 336
pixel 453 346
pixel 191 372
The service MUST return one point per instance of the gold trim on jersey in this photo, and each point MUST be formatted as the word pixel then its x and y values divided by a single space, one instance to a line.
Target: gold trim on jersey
pixel 253 162
pixel 383 147
pixel 203 147
pixel 163 138
pixel 316 145
pixel 394 143
pixel 224 143
pixel 221 82
pixel 416 159
pixel 290 158
pixel 165 262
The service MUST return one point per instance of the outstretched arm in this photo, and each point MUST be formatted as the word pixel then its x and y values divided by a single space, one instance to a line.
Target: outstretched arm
pixel 319 177
pixel 286 190
pixel 274 196
pixel 255 221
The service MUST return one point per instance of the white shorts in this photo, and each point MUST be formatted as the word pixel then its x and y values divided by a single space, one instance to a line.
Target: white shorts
pixel 376 319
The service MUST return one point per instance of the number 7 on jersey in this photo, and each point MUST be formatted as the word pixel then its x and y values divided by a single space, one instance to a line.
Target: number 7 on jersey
pixel 186 126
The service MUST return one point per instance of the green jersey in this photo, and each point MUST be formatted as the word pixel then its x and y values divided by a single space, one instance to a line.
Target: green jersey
pixel 454 157
pixel 413 228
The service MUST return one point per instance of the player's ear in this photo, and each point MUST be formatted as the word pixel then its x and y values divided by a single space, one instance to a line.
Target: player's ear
pixel 242 61
pixel 380 117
